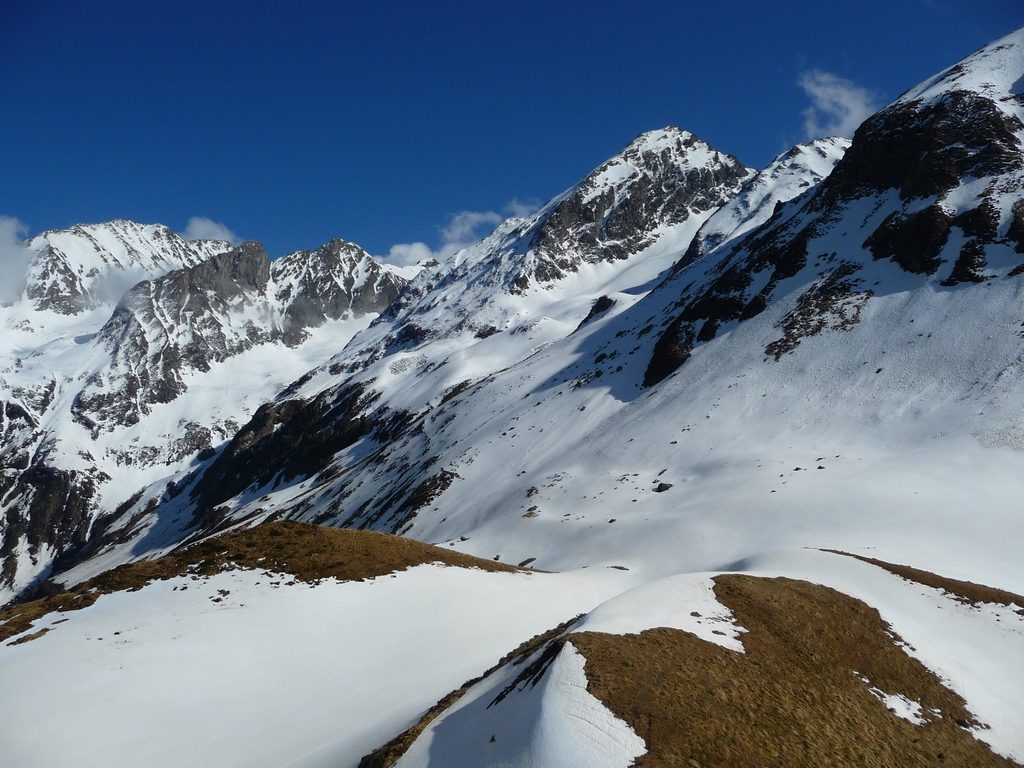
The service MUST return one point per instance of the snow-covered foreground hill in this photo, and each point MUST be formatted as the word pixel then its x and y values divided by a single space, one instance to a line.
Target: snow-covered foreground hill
pixel 670 659
pixel 252 667
pixel 293 645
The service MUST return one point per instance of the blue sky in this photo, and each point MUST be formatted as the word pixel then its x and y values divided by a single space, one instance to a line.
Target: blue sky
pixel 382 122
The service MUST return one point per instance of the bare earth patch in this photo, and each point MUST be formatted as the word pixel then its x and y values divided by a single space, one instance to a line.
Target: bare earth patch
pixel 797 697
pixel 308 552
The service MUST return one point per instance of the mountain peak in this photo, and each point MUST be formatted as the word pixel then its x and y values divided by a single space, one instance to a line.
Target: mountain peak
pixel 659 137
pixel 674 144
pixel 337 248
pixel 337 256
pixel 995 71
pixel 662 178
pixel 87 266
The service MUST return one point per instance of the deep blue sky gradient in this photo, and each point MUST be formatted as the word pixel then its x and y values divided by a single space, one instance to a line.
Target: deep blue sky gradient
pixel 293 122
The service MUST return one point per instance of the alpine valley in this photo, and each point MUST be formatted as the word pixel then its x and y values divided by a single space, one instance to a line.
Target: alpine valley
pixel 697 465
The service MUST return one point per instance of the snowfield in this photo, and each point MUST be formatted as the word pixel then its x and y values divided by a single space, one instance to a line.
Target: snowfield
pixel 250 668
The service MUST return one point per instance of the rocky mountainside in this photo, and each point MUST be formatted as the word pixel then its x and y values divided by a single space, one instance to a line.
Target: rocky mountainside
pixel 198 316
pixel 931 184
pixel 612 230
pixel 756 429
pixel 530 283
pixel 96 409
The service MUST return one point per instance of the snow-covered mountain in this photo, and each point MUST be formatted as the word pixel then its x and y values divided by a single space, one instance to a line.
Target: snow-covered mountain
pixel 613 230
pixel 99 404
pixel 787 176
pixel 761 431
pixel 496 389
pixel 195 317
pixel 89 266
pixel 529 284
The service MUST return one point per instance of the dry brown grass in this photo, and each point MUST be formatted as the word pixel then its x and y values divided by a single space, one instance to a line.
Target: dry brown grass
pixel 793 699
pixel 308 552
pixel 965 591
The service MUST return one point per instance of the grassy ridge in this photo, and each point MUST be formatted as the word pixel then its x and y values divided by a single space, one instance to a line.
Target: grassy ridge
pixel 307 552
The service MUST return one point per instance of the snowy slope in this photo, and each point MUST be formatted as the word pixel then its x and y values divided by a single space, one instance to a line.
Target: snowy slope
pixel 542 710
pixel 323 672
pixel 297 675
pixel 252 667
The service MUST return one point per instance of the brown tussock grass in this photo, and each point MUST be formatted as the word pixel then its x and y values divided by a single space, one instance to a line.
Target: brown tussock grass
pixel 307 552
pixel 793 699
pixel 965 591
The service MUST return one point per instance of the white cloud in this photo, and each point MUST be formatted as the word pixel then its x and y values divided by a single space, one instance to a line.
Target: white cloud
pixel 463 228
pixel 517 208
pixel 202 228
pixel 14 259
pixel 464 225
pixel 838 106
pixel 405 254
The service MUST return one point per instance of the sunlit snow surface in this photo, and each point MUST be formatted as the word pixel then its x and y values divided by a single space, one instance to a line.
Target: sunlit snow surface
pixel 275 673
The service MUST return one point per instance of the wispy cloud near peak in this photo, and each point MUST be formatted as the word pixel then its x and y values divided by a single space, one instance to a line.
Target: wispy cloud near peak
pixel 838 106
pixel 202 228
pixel 463 228
pixel 14 258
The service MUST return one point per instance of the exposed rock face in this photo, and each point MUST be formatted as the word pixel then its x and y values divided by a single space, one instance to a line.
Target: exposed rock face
pixel 336 279
pixel 661 179
pixel 925 147
pixel 89 265
pixel 194 317
pixel 924 184
pixel 51 513
pixel 285 440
